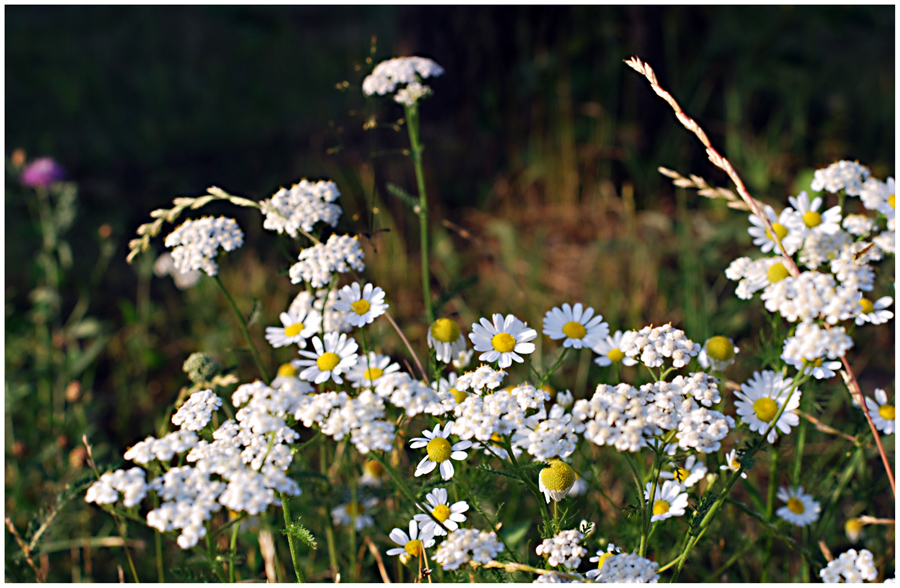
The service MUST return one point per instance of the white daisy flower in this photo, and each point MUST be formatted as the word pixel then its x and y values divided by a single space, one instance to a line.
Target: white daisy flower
pixel 556 480
pixel 828 222
pixel 463 358
pixel 879 196
pixel 692 472
pixel 575 326
pixel 440 452
pixel 788 227
pixel 732 463
pixel 362 306
pixel 369 370
pixel 610 351
pixel 801 509
pixel 670 500
pixel 447 340
pixel 355 513
pixel 503 340
pixel 875 312
pixel 763 396
pixel 287 375
pixel 298 326
pixel 882 412
pixel 718 353
pixel 449 515
pixel 412 545
pixel 329 361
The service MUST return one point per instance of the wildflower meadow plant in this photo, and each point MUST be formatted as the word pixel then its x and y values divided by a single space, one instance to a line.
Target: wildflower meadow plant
pixel 422 466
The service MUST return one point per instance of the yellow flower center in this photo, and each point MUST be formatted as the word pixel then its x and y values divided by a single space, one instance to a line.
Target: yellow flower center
pixel 503 342
pixel 438 450
pixel 720 348
pixel 459 395
pixel 373 374
pixel 682 474
pixel 867 305
pixel 496 439
pixel 558 476
pixel 891 200
pixel 352 509
pixel 414 548
pixel 603 559
pixel 812 219
pixel 286 370
pixel 441 512
pixel 853 526
pixel 549 390
pixel 780 231
pixel 795 505
pixel 765 409
pixel 886 411
pixel 615 355
pixel 293 330
pixel 735 464
pixel 445 330
pixel 574 330
pixel 361 307
pixel 777 273
pixel 373 468
pixel 328 361
pixel 660 507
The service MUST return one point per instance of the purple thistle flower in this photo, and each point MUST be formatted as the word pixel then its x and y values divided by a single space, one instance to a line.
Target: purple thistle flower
pixel 42 172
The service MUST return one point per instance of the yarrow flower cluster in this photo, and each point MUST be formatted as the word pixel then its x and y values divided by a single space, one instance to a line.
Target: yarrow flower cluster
pixel 340 254
pixel 654 344
pixel 465 545
pixel 301 207
pixel 196 243
pixel 851 567
pixel 197 411
pixel 627 568
pixel 408 71
pixel 564 549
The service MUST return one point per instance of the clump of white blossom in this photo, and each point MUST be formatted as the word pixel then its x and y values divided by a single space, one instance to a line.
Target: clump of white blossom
pixel 405 71
pixel 301 207
pixel 564 549
pixel 196 243
pixel 340 254
pixel 851 567
pixel 655 344
pixel 465 545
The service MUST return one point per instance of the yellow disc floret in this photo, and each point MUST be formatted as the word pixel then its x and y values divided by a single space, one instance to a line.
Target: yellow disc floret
pixel 439 450
pixel 765 409
pixel 795 505
pixel 286 370
pixel 891 201
pixel 681 475
pixel 445 330
pixel 459 395
pixel 660 507
pixel 293 330
pixel 812 219
pixel 373 374
pixel 777 273
pixel 853 527
pixel 441 512
pixel 361 307
pixel 574 330
pixel 328 361
pixel 615 355
pixel 558 476
pixel 603 559
pixel 373 468
pixel 867 306
pixel 720 348
pixel 503 342
pixel 414 548
pixel 886 411
pixel 780 230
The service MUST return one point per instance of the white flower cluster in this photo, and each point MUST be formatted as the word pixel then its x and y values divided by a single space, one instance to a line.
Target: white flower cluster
pixel 301 207
pixel 106 490
pixel 465 545
pixel 413 396
pixel 161 449
pixel 548 436
pixel 339 254
pixel 655 343
pixel 628 568
pixel 628 418
pixel 402 70
pixel 339 415
pixel 841 175
pixel 196 243
pixel 556 578
pixel 811 343
pixel 480 417
pixel 851 567
pixel 564 549
pixel 197 411
pixel 483 377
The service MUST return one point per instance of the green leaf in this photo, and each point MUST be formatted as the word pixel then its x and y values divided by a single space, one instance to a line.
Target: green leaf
pixel 405 196
pixel 300 532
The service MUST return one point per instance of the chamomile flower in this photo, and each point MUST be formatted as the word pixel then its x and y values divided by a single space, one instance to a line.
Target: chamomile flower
pixel 761 399
pixel 298 326
pixel 440 452
pixel 441 509
pixel 463 359
pixel 800 508
pixel 503 340
pixel 369 370
pixel 875 312
pixel 718 353
pixel 412 545
pixel 447 340
pixel 357 514
pixel 733 463
pixel 575 326
pixel 361 305
pixel 610 351
pixel 788 227
pixel 670 500
pixel 882 412
pixel 329 360
pixel 828 221
pixel 556 480
pixel 854 529
pixel 692 472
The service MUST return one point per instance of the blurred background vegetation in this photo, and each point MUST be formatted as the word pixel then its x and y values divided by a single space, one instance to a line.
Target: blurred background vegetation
pixel 541 158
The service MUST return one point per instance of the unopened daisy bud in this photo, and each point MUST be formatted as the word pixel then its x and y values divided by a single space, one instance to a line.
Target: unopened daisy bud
pixel 556 480
pixel 854 529
pixel 718 352
pixel 446 339
pixel 777 272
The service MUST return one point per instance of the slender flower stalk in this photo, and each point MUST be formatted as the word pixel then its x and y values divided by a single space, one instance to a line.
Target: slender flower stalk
pixel 412 125
pixel 259 363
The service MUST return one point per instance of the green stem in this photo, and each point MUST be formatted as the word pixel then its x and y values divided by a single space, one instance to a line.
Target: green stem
pixel 288 522
pixel 555 366
pixel 640 488
pixel 243 323
pixel 770 510
pixel 234 534
pixel 412 125
pixel 329 530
